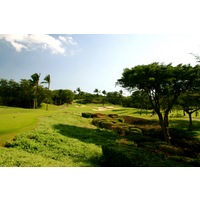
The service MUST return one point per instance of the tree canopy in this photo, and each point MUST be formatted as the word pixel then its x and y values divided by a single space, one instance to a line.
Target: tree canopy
pixel 163 84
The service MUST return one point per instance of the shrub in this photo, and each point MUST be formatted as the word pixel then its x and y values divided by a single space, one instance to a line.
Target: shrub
pixel 120 155
pixel 120 120
pixel 139 121
pixel 113 115
pixel 138 138
pixel 125 141
pixel 106 124
pixel 97 115
pixel 133 130
pixel 86 115
pixel 121 130
pixel 186 160
pixel 172 150
pixel 96 122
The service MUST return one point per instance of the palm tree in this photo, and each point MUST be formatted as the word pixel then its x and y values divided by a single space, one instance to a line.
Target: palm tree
pixel 104 92
pixel 104 98
pixel 35 83
pixel 47 80
pixel 97 92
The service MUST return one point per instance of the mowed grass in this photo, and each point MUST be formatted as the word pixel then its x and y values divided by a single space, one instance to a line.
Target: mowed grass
pixel 16 120
pixel 60 136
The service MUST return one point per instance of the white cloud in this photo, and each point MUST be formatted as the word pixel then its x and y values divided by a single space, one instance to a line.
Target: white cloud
pixel 67 40
pixel 60 45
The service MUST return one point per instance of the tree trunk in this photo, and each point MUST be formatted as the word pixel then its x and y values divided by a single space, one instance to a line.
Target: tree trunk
pixel 164 125
pixel 47 106
pixel 34 103
pixel 190 123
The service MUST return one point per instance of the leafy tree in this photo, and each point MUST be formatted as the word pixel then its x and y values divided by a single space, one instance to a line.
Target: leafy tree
pixel 62 96
pixel 4 92
pixel 69 96
pixel 140 100
pixel 190 102
pixel 114 98
pixel 35 83
pixel 162 83
pixel 26 94
pixel 9 92
pixel 47 80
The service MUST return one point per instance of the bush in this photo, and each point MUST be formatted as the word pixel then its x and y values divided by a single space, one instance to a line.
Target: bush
pixel 133 130
pixel 86 115
pixel 113 115
pixel 97 115
pixel 172 150
pixel 138 121
pixel 121 130
pixel 120 155
pixel 138 138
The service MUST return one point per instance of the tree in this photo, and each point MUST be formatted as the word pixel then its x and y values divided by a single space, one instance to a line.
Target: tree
pixel 104 98
pixel 69 96
pixel 97 92
pixel 26 94
pixel 104 92
pixel 9 92
pixel 62 96
pixel 97 95
pixel 140 100
pixel 47 80
pixel 190 103
pixel 114 98
pixel 162 83
pixel 121 96
pixel 35 83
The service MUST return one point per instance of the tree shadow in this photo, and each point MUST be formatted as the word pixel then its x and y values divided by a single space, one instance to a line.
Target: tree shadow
pixel 90 136
pixel 94 136
pixel 182 126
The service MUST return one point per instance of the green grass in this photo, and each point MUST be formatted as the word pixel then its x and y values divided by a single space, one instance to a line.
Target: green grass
pixel 60 136
pixel 16 120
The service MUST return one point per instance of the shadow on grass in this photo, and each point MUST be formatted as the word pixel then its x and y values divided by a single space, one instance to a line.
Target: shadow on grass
pixel 94 136
pixel 91 136
pixel 182 126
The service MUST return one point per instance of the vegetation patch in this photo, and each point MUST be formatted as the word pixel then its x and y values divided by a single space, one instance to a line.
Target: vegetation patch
pixel 121 155
pixel 145 135
pixel 62 137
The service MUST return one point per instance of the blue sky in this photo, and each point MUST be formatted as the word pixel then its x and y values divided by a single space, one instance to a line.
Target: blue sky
pixel 90 61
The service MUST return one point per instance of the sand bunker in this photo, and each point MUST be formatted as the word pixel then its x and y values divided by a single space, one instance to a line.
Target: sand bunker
pixel 104 108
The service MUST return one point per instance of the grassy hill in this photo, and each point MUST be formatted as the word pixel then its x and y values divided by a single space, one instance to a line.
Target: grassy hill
pixel 61 137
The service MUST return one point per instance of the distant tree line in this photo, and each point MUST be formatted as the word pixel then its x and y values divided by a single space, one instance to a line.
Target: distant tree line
pixel 30 93
pixel 99 97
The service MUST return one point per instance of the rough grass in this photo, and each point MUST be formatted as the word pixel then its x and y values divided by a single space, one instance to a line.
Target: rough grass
pixel 62 137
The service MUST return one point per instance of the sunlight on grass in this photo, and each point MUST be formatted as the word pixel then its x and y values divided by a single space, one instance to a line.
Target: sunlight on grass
pixel 61 137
